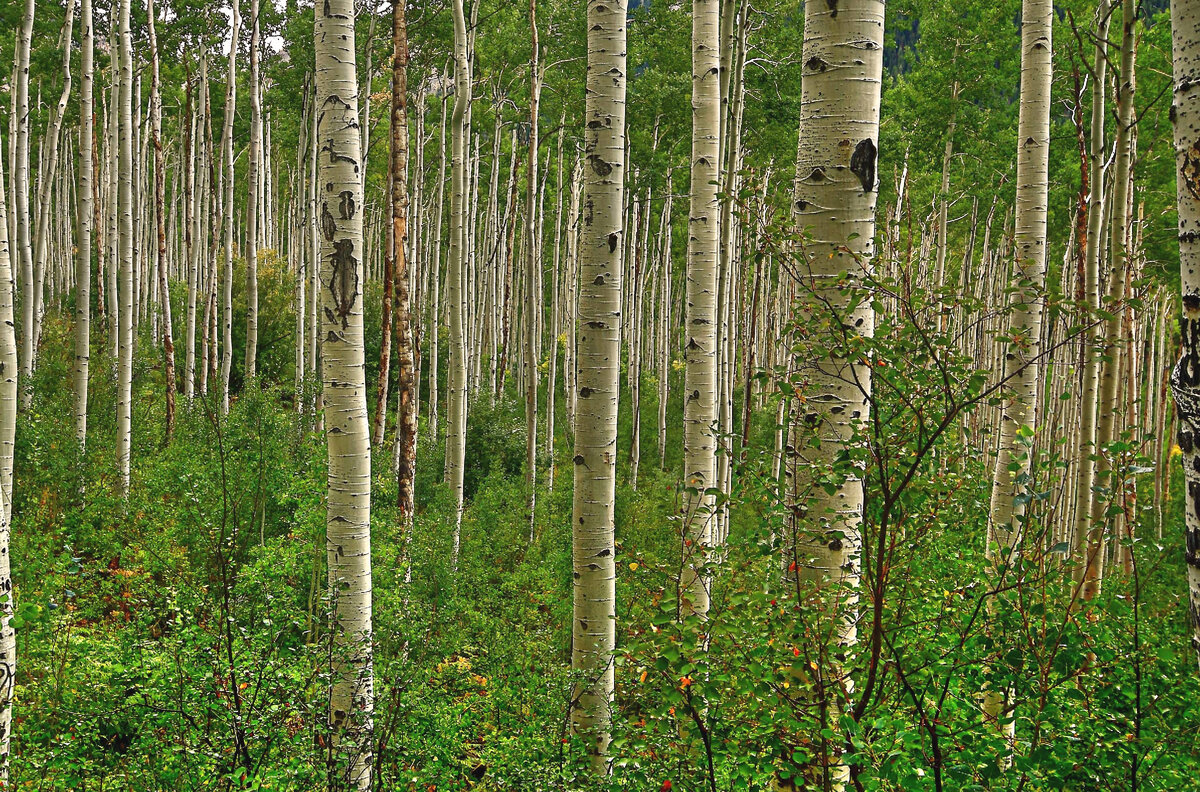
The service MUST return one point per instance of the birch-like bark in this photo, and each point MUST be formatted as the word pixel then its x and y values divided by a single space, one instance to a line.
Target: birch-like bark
pixel 700 329
pixel 160 233
pixel 48 171
pixel 125 247
pixel 83 256
pixel 1088 537
pixel 21 190
pixel 235 21
pixel 555 312
pixel 8 426
pixel 348 520
pixel 435 277
pixel 1020 366
pixel 191 239
pixel 254 187
pixel 599 347
pixel 835 194
pixel 533 301
pixel 1104 493
pixel 456 424
pixel 1185 379
pixel 664 342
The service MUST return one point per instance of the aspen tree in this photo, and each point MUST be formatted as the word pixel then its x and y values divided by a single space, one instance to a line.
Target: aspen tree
pixel 700 329
pixel 235 21
pixel 406 347
pixel 1021 368
pixel 598 385
pixel 1185 379
pixel 83 257
pixel 533 303
pixel 252 199
pixel 1088 537
pixel 46 177
pixel 1102 525
pixel 348 521
pixel 835 196
pixel 21 191
pixel 125 245
pixel 456 423
pixel 300 243
pixel 8 426
pixel 160 232
pixel 435 278
pixel 664 351
pixel 555 310
pixel 192 245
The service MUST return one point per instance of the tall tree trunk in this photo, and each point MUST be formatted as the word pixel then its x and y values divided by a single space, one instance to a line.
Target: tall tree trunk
pixel 664 343
pixel 253 189
pixel 533 302
pixel 49 167
pixel 348 522
pixel 592 523
pixel 83 257
pixel 406 347
pixel 434 317
pixel 21 190
pixel 456 424
pixel 703 265
pixel 191 238
pixel 835 193
pixel 235 21
pixel 1185 379
pixel 1088 539
pixel 125 246
pixel 1021 367
pixel 8 426
pixel 1104 493
pixel 160 231
pixel 555 311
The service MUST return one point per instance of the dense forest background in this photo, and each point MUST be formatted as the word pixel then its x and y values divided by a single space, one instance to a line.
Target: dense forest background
pixel 173 632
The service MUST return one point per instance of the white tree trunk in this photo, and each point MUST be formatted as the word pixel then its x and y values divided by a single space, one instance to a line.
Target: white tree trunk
pixel 348 522
pixel 456 424
pixel 83 257
pixel 8 425
pixel 599 348
pixel 1185 380
pixel 125 249
pixel 700 327
pixel 1021 367
pixel 235 21
pixel 253 189
pixel 21 190
pixel 836 192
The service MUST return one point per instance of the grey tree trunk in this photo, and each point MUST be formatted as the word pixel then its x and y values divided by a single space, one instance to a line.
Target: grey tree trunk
pixel 406 346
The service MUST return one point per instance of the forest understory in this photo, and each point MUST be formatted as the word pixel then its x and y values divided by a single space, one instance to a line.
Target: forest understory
pixel 600 395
